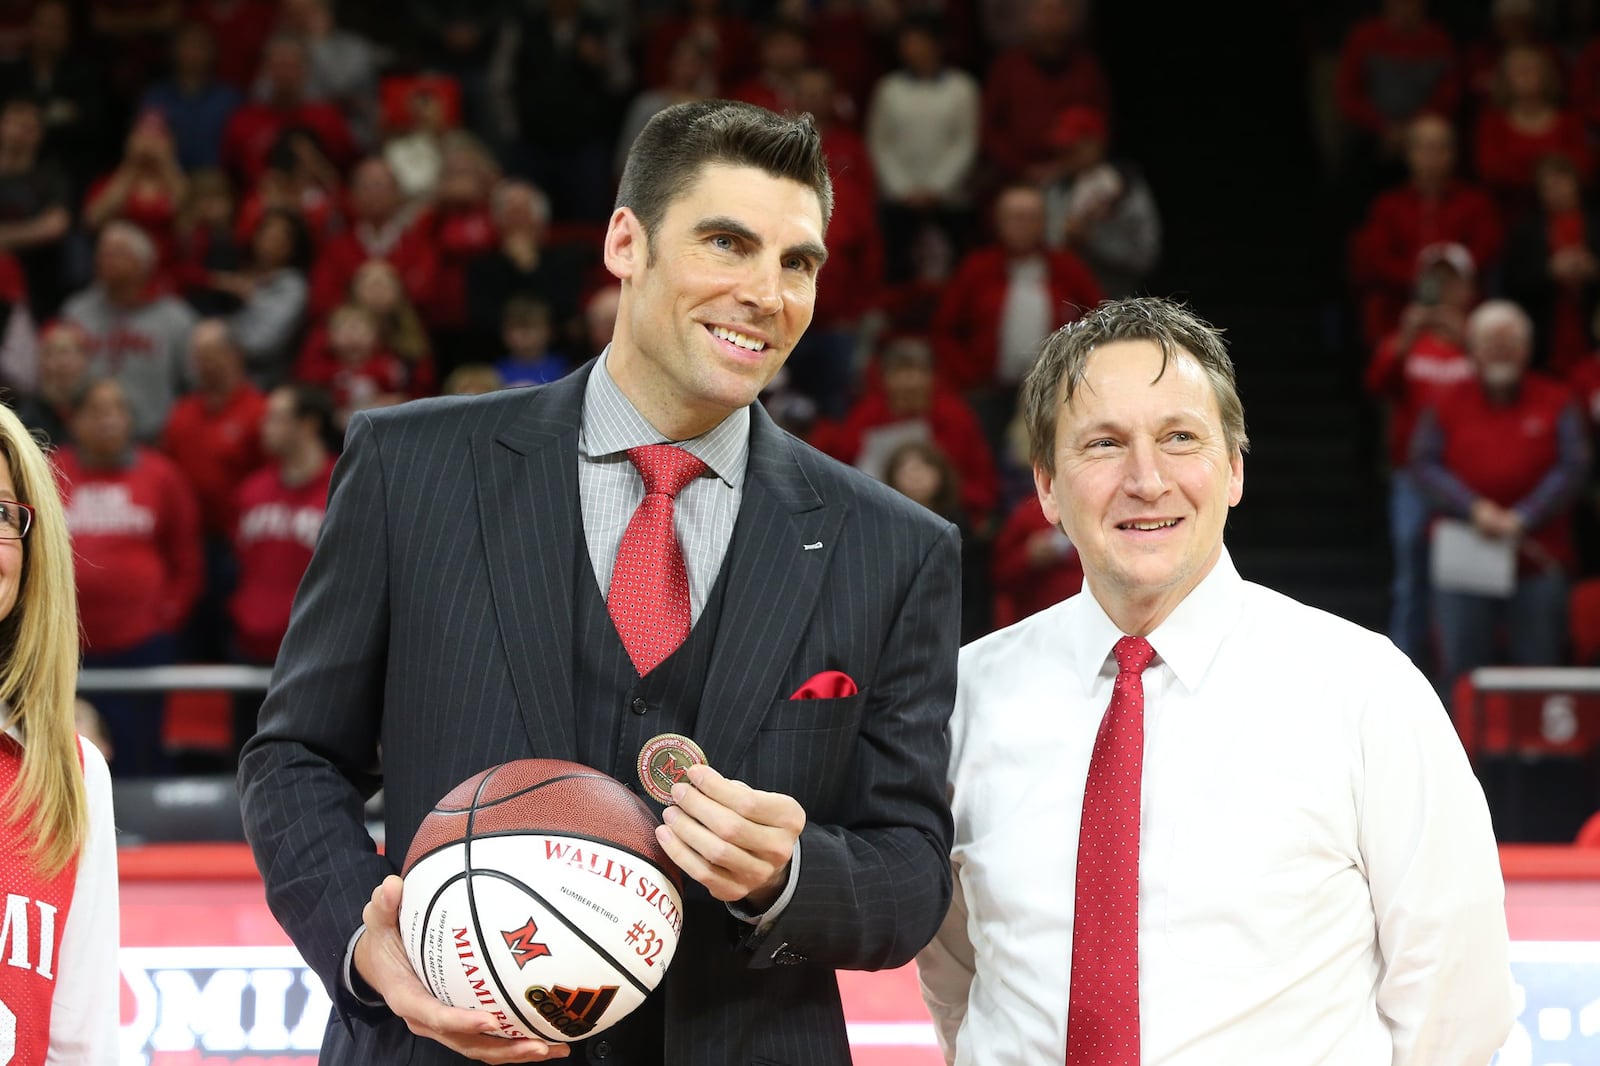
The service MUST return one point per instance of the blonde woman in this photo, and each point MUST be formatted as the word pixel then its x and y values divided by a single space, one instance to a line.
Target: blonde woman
pixel 58 859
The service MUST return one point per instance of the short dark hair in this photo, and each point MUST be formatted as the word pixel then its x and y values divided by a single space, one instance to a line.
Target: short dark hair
pixel 670 151
pixel 313 402
pixel 1171 326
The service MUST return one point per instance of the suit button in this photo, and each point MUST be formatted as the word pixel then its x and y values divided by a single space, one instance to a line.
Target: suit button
pixel 638 706
pixel 601 1050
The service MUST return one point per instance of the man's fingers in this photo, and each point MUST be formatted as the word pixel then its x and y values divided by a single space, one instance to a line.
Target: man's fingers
pixel 732 827
pixel 717 881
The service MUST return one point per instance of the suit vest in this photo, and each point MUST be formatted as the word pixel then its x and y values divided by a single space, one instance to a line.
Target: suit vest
pixel 616 712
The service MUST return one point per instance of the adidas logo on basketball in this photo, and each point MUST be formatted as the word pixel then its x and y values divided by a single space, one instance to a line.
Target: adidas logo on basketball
pixel 572 1011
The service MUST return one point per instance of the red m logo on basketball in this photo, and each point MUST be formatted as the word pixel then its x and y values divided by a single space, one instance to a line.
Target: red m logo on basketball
pixel 522 945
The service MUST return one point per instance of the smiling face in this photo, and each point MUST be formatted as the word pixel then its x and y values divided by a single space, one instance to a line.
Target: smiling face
pixel 714 305
pixel 1143 480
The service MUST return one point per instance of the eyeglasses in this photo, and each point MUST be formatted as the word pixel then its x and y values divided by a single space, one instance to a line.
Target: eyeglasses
pixel 15 520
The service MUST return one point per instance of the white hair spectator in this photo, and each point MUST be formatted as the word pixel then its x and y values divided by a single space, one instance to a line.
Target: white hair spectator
pixel 1493 315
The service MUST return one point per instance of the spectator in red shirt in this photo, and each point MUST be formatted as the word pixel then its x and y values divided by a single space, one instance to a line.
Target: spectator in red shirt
pixel 1552 268
pixel 1029 85
pixel 784 52
pixel 376 288
pixel 255 128
pixel 241 29
pixel 461 229
pixel 1433 208
pixel 727 40
pixel 909 401
pixel 824 362
pixel 136 535
pixel 280 509
pixel 147 188
pixel 1506 452
pixel 1411 369
pixel 1393 67
pixel 1003 301
pixel 1525 125
pixel 1512 23
pixel 383 226
pixel 1035 565
pixel 214 437
pixel 214 433
pixel 353 367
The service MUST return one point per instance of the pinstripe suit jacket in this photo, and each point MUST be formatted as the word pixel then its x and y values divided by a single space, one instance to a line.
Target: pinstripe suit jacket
pixel 435 626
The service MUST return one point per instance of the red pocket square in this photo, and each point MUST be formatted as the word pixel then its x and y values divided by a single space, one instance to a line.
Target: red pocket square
pixel 828 685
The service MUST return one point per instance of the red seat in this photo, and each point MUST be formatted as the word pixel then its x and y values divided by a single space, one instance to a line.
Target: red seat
pixel 198 721
pixel 1584 622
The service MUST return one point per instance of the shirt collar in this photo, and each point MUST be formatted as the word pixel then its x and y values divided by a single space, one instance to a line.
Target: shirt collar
pixel 1187 641
pixel 611 425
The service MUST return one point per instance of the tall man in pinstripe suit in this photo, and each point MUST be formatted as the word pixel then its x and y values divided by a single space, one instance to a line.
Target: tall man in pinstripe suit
pixel 454 617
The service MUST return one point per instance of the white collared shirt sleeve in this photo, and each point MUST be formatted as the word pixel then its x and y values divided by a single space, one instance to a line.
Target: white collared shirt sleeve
pixel 1437 892
pixel 945 969
pixel 85 1008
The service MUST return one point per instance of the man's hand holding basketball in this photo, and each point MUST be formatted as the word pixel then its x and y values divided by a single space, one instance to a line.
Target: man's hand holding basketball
pixel 380 958
pixel 733 839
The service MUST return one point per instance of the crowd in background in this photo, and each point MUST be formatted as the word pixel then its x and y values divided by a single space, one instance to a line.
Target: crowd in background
pixel 1474 271
pixel 228 225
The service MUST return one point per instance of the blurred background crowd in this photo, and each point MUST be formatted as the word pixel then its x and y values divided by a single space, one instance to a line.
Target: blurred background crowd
pixel 226 225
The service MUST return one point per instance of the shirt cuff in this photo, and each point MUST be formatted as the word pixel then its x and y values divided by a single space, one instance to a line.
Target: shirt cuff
pixel 764 921
pixel 353 983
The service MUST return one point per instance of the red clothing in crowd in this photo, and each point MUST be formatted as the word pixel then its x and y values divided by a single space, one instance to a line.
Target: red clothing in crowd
pixel 352 387
pixel 457 238
pixel 152 210
pixel 404 244
pixel 254 128
pixel 951 425
pixel 216 447
pixel 1382 67
pixel 1414 380
pixel 1585 96
pixel 1504 452
pixel 278 525
pixel 1022 99
pixel 1506 156
pixel 850 282
pixel 730 40
pixel 1401 223
pixel 967 328
pixel 1022 586
pixel 240 29
pixel 764 93
pixel 136 538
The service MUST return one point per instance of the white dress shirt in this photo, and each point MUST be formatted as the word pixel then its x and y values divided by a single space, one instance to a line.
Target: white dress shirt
pixel 1318 882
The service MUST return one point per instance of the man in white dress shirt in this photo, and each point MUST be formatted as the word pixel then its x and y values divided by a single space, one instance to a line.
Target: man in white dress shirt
pixel 1311 872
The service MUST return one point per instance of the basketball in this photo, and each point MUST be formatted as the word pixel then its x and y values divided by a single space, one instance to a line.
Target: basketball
pixel 536 891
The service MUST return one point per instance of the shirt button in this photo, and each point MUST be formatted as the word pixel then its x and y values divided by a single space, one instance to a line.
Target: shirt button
pixel 638 706
pixel 601 1050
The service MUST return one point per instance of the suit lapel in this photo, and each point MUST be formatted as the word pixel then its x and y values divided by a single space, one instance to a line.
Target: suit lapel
pixel 528 509
pixel 773 580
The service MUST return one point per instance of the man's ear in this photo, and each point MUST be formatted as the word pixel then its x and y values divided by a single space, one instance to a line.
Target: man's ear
pixel 626 248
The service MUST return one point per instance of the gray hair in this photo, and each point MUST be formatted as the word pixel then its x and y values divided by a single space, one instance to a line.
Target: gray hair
pixel 1495 314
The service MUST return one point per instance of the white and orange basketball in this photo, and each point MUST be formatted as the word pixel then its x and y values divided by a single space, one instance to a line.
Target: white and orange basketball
pixel 536 891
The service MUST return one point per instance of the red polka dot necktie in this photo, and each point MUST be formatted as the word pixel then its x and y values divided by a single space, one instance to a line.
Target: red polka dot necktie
pixel 649 595
pixel 1103 1011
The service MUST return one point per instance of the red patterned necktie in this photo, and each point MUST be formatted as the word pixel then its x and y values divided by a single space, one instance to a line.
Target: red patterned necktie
pixel 649 595
pixel 1103 1011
